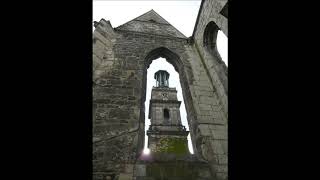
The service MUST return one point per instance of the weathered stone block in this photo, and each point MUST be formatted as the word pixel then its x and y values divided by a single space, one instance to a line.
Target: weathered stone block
pixel 205 119
pixel 219 134
pixel 140 170
pixel 207 100
pixel 220 168
pixel 204 130
pixel 124 176
pixel 129 168
pixel 219 121
pixel 97 177
pixel 216 147
pixel 222 176
pixel 119 113
pixel 204 173
pixel 222 159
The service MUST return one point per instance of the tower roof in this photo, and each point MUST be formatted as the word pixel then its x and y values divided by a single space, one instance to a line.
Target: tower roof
pixel 161 71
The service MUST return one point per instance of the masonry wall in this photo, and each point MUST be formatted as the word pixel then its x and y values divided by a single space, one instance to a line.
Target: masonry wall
pixel 118 125
pixel 168 170
pixel 213 132
pixel 210 12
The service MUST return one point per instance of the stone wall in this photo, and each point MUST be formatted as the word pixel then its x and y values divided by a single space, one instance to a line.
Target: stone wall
pixel 210 12
pixel 118 125
pixel 177 170
pixel 214 137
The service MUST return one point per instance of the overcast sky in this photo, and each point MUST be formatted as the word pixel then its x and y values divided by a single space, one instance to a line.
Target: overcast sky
pixel 181 14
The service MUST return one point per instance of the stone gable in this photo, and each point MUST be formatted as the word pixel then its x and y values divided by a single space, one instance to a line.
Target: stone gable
pixel 151 23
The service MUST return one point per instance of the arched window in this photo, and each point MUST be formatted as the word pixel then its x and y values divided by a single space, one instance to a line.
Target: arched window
pixel 210 40
pixel 210 36
pixel 166 115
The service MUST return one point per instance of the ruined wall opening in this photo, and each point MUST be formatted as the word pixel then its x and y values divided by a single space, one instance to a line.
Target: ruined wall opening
pixel 210 36
pixel 159 59
pixel 216 42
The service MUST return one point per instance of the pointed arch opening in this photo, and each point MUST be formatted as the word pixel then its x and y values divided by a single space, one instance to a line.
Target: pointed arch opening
pixel 210 36
pixel 166 57
pixel 215 42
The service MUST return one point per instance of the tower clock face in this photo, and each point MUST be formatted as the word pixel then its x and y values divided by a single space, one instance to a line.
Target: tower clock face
pixel 165 96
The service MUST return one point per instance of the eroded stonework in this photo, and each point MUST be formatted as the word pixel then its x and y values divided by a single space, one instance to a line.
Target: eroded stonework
pixel 121 57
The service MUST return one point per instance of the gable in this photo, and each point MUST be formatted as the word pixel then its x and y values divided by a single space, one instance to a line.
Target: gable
pixel 152 15
pixel 152 23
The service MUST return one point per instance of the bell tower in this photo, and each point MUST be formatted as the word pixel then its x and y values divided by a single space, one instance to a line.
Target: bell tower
pixel 166 134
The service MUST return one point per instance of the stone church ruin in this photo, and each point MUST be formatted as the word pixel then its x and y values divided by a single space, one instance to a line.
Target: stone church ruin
pixel 121 57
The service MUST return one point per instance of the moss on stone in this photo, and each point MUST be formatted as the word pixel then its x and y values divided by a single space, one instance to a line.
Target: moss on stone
pixel 173 145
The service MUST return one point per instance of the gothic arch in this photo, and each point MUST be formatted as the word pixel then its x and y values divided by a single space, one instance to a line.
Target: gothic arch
pixel 164 52
pixel 186 79
pixel 209 39
pixel 210 35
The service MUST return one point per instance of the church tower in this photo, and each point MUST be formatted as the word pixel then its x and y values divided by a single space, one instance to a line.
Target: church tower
pixel 166 134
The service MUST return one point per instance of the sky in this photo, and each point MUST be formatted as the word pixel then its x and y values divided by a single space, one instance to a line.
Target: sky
pixel 181 14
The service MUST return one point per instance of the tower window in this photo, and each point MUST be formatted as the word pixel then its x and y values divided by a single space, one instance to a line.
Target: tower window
pixel 166 115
